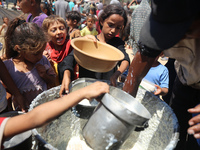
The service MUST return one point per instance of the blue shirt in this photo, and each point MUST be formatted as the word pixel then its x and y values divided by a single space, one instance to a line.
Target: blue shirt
pixel 71 5
pixel 158 75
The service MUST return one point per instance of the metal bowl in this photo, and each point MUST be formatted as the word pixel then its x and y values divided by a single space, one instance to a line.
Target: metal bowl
pixel 95 56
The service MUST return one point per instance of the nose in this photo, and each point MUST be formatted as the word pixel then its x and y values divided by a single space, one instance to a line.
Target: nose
pixel 113 30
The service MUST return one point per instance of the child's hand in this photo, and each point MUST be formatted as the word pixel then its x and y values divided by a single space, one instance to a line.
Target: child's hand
pixel 91 37
pixel 194 122
pixel 41 70
pixel 96 89
pixel 158 90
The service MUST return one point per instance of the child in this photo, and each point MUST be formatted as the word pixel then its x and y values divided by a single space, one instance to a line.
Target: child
pixel 33 7
pixel 45 7
pixel 5 24
pixel 31 71
pixel 89 29
pixel 48 111
pixel 59 46
pixel 159 75
pixel 73 18
pixel 111 21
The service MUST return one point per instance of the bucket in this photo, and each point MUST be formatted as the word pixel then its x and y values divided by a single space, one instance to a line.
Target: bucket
pixel 22 141
pixel 161 134
pixel 114 119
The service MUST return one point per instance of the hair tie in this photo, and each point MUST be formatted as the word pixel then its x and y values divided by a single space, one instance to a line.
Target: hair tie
pixel 20 22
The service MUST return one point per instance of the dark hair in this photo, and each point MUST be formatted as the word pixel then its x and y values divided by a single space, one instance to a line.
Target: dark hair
pixel 28 36
pixel 73 15
pixel 45 5
pixel 93 9
pixel 110 10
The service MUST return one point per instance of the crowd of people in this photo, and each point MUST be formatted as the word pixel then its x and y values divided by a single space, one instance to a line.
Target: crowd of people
pixel 38 56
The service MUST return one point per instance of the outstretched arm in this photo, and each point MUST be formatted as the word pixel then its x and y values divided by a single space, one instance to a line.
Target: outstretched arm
pixel 137 71
pixel 46 112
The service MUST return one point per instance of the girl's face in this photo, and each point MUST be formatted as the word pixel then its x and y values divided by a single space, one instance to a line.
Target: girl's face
pixel 91 12
pixel 58 33
pixel 90 22
pixel 5 20
pixel 34 57
pixel 112 25
pixel 24 5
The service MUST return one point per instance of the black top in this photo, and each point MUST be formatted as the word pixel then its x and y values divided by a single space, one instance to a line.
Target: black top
pixel 69 63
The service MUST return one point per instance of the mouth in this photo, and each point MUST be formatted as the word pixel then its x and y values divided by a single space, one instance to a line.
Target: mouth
pixel 60 40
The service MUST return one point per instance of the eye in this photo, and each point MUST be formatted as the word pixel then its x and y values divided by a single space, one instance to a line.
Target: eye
pixel 53 30
pixel 62 28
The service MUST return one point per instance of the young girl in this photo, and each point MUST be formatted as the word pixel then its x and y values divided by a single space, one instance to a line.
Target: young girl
pixel 31 71
pixel 111 21
pixel 89 29
pixel 5 24
pixel 59 46
pixel 45 7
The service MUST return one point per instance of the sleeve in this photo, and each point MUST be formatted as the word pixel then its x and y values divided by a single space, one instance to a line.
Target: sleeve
pixel 82 32
pixel 3 122
pixel 164 79
pixel 68 63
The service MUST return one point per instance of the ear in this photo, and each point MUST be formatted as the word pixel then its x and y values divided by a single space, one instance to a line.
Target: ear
pixel 16 48
pixel 75 22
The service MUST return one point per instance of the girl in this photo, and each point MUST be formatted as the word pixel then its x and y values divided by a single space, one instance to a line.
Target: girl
pixel 45 7
pixel 111 21
pixel 5 24
pixel 31 71
pixel 89 29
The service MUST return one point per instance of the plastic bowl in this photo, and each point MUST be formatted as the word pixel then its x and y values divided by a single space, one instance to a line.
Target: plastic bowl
pixel 95 56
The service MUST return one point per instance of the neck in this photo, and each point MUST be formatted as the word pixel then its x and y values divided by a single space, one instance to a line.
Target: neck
pixel 36 12
pixel 101 38
pixel 58 47
pixel 90 28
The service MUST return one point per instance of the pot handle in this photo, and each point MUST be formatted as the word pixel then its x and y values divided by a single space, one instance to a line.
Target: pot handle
pixel 141 128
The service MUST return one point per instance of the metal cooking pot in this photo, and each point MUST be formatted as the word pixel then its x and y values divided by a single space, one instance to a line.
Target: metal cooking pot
pixel 21 141
pixel 113 120
pixel 81 110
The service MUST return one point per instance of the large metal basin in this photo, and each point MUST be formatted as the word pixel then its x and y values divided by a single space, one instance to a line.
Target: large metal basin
pixel 161 134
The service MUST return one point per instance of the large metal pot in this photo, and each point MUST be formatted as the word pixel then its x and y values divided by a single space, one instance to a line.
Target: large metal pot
pixel 113 120
pixel 21 141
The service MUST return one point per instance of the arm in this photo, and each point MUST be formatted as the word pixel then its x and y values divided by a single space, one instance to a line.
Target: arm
pixel 48 78
pixel 43 113
pixel 131 3
pixel 124 65
pixel 8 81
pixel 3 26
pixel 65 83
pixel 137 71
pixel 194 128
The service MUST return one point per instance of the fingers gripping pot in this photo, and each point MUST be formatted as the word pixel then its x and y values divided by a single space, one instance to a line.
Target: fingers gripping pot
pixel 113 120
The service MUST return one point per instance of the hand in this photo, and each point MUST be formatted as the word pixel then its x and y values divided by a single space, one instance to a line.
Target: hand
pixel 41 70
pixel 113 78
pixel 91 37
pixel 21 102
pixel 96 89
pixel 158 90
pixel 65 83
pixel 194 122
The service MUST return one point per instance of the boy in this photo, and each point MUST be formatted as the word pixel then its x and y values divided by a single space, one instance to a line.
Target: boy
pixel 59 46
pixel 33 7
pixel 89 29
pixel 73 18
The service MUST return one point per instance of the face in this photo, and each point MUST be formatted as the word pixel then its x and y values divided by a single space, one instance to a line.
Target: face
pixel 34 57
pixel 112 25
pixel 69 22
pixel 90 22
pixel 24 5
pixel 58 33
pixel 5 20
